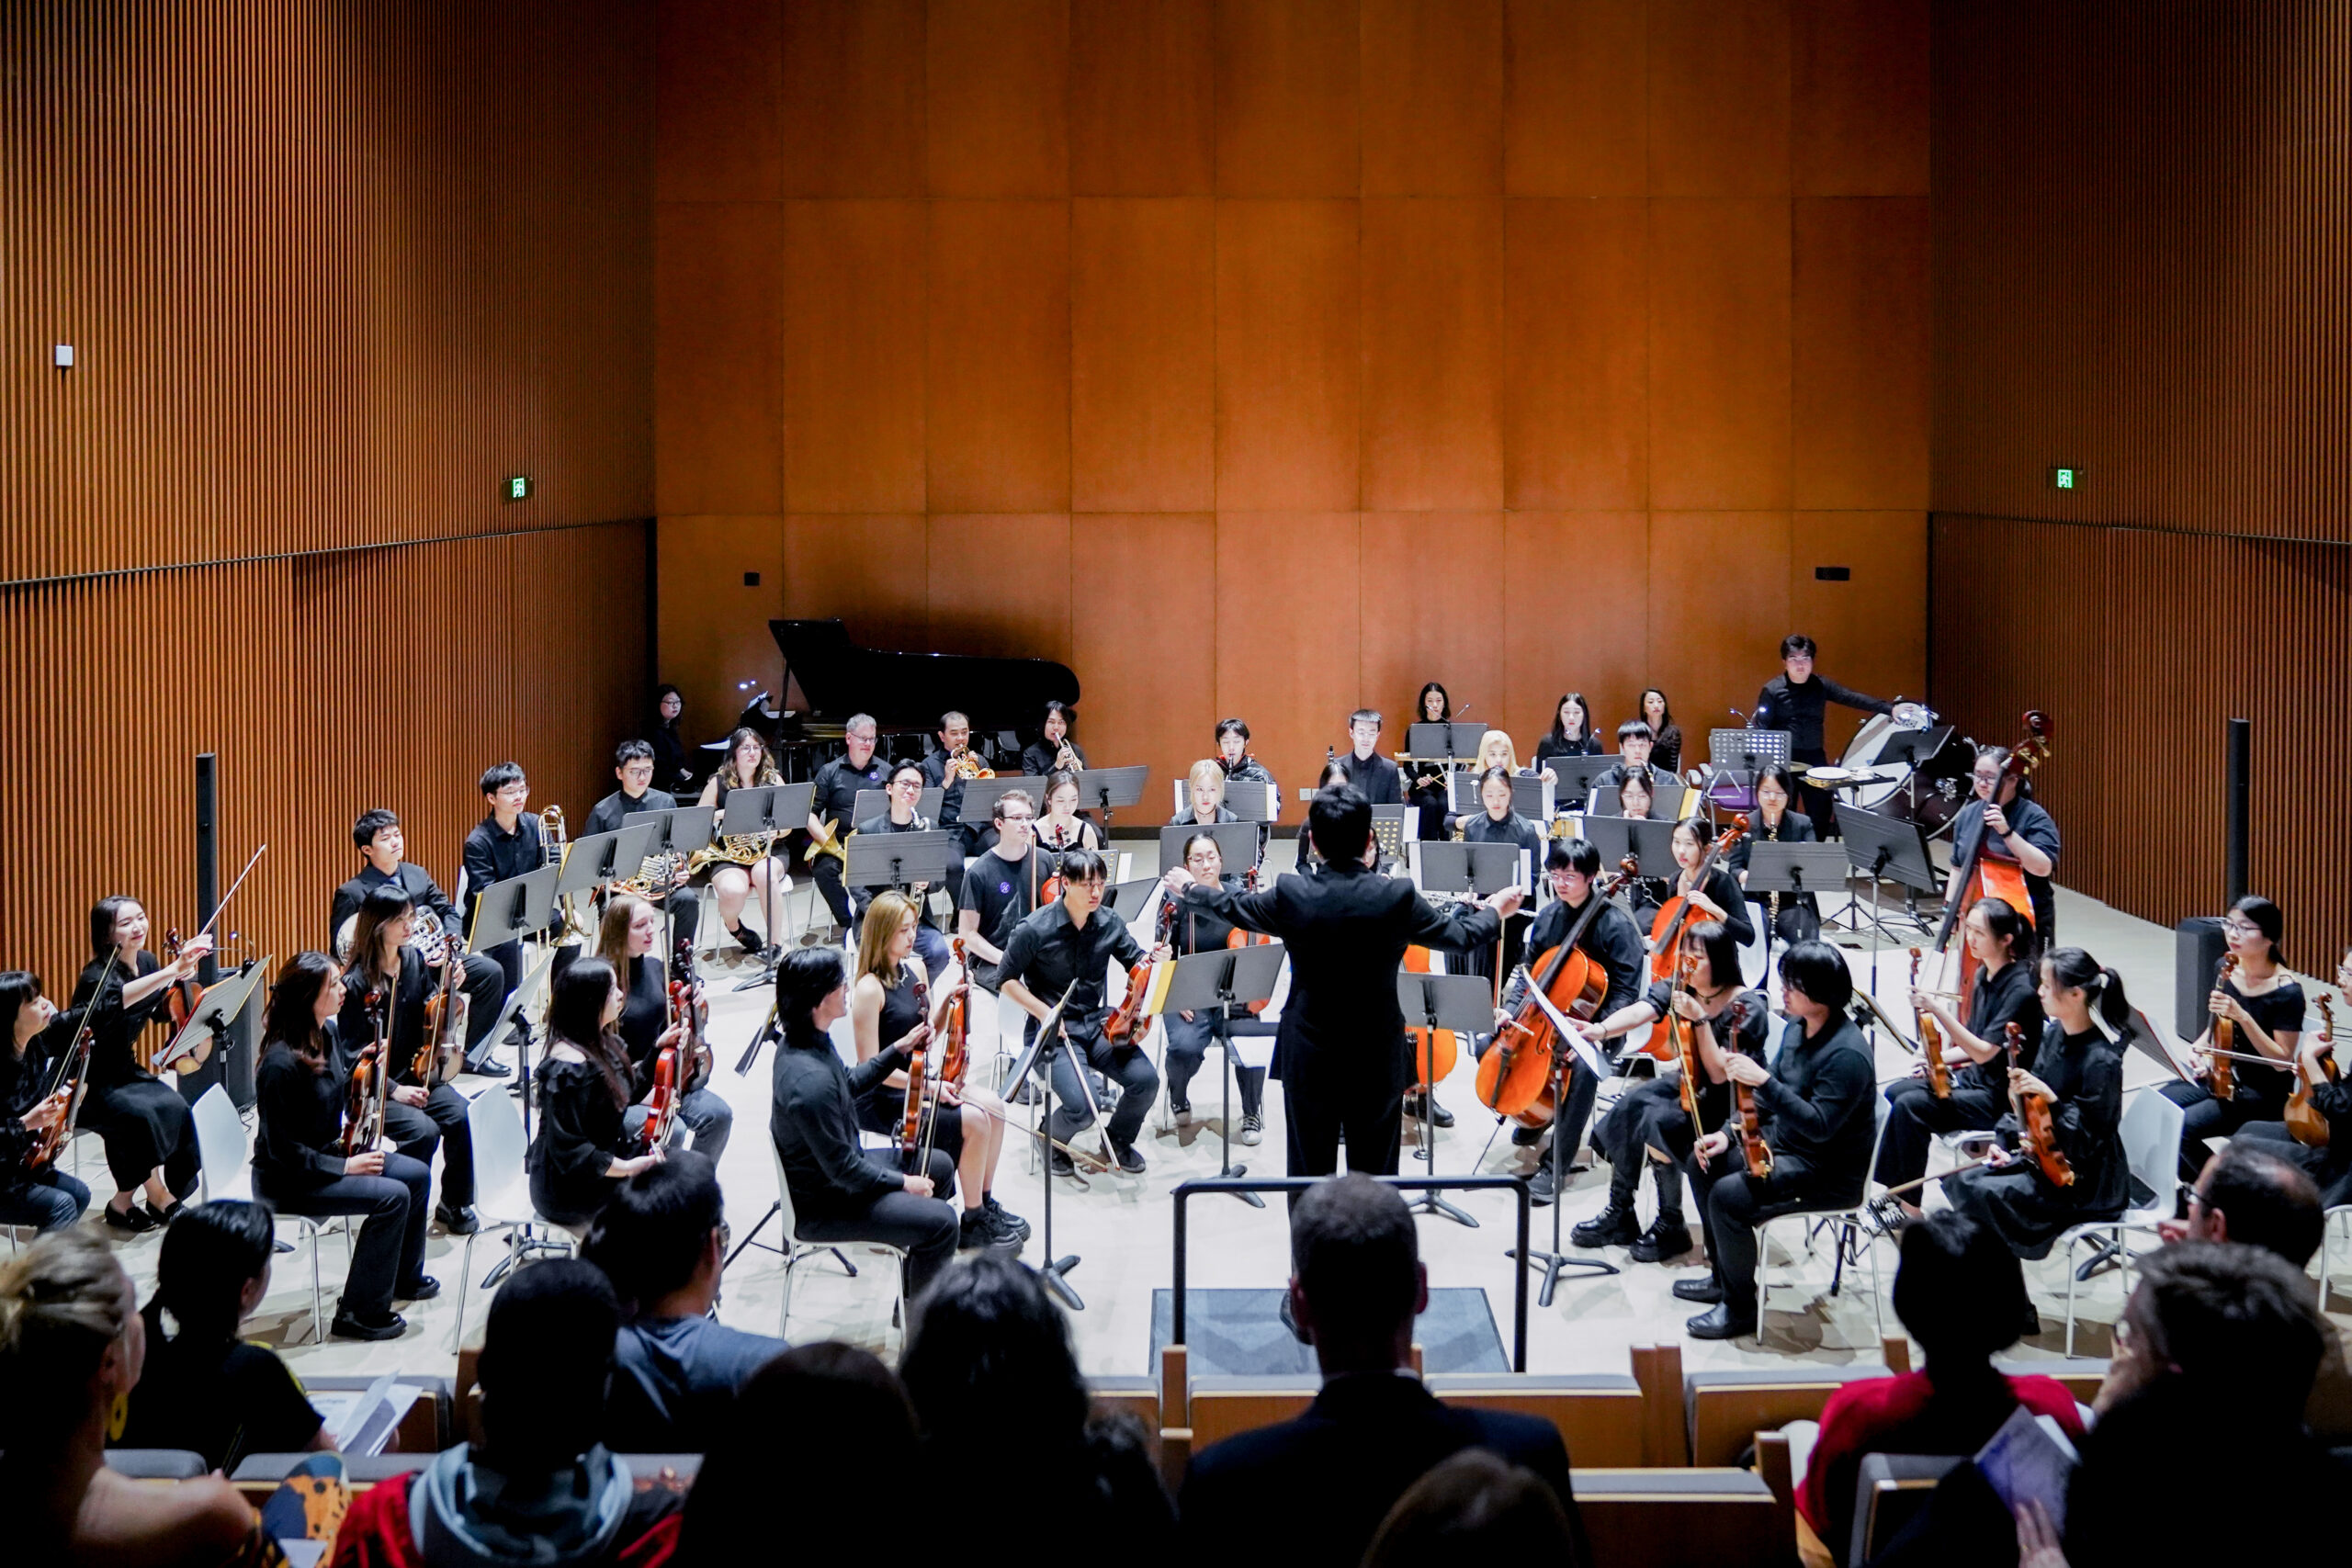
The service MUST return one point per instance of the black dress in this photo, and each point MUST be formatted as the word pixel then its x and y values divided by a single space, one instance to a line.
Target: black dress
pixel 2261 1091
pixel 883 1107
pixel 1800 916
pixel 143 1120
pixel 578 1138
pixel 2028 1212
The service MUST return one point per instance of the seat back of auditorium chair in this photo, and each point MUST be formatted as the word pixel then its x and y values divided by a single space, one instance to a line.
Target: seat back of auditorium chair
pixel 1599 1414
pixel 1681 1517
pixel 1725 1408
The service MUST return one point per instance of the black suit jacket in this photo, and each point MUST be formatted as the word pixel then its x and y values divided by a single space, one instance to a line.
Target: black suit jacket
pixel 1312 1491
pixel 1342 1033
pixel 1374 777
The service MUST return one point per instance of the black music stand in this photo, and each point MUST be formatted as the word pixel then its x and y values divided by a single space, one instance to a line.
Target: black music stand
pixel 873 803
pixel 1252 800
pixel 213 1015
pixel 1737 756
pixel 519 909
pixel 1454 743
pixel 771 811
pixel 980 795
pixel 1219 981
pixel 682 830
pixel 1649 841
pixel 600 857
pixel 1101 789
pixel 1530 797
pixel 1237 845
pixel 1570 1048
pixel 1128 900
pixel 1576 774
pixel 1392 832
pixel 1441 865
pixel 1464 1004
pixel 899 859
pixel 1793 868
pixel 1885 849
pixel 1037 1056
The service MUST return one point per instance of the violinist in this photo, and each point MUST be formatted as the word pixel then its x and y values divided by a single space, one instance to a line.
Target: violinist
pixel 1062 827
pixel 1667 733
pixel 1814 1107
pixel 1498 824
pixel 967 1124
pixel 1054 751
pixel 629 940
pixel 2329 1165
pixel 415 1118
pixel 1795 917
pixel 144 1122
pixel 831 807
pixel 901 817
pixel 1796 700
pixel 1200 929
pixel 1205 787
pixel 1647 1128
pixel 383 848
pixel 748 765
pixel 2266 1010
pixel 1233 756
pixel 37 1036
pixel 2005 993
pixel 580 1146
pixel 2077 1073
pixel 1368 773
pixel 2022 835
pixel 1068 946
pixel 1610 940
pixel 299 1166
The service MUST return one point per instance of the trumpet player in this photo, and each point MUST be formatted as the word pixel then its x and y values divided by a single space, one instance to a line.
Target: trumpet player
pixel 383 850
pixel 1054 751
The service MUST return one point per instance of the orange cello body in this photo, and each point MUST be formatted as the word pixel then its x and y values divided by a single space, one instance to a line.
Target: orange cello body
pixel 1984 878
pixel 1517 1076
pixel 1673 918
pixel 1435 1051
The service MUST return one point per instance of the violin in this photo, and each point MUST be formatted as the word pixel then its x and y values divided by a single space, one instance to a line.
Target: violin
pixel 661 1103
pixel 72 1083
pixel 1745 1126
pixel 2304 1119
pixel 1685 1037
pixel 910 1123
pixel 1122 1028
pixel 2222 1076
pixel 1236 937
pixel 1516 1076
pixel 1667 925
pixel 181 997
pixel 1931 1042
pixel 955 1054
pixel 444 1042
pixel 1982 878
pixel 370 1085
pixel 2033 1122
pixel 696 1057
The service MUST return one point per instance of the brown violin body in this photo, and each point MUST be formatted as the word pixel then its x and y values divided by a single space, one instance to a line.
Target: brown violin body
pixel 1518 1076
pixel 2305 1120
pixel 1121 1028
pixel 955 1052
pixel 2222 1081
pixel 1686 1044
pixel 2033 1123
pixel 1931 1042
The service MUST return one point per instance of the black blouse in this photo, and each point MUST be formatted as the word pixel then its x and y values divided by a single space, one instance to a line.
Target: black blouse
pixel 1547 748
pixel 901 1011
pixel 645 1014
pixel 24 1081
pixel 2280 1010
pixel 579 1133
pixel 1997 1001
pixel 357 1021
pixel 1748 1040
pixel 1038 758
pixel 301 1111
pixel 114 1027
pixel 1667 750
pixel 2086 1074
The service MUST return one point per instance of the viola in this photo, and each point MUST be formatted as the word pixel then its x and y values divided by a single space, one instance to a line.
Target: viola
pixel 2033 1122
pixel 2304 1119
pixel 1517 1078
pixel 2221 1079
pixel 1747 1128
pixel 1982 878
pixel 1685 1039
pixel 955 1054
pixel 662 1104
pixel 1667 925
pixel 1931 1042
pixel 181 997
pixel 1122 1028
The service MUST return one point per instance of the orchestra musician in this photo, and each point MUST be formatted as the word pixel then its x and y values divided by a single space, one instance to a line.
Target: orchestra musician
pixel 901 817
pixel 1205 785
pixel 1666 732
pixel 1718 897
pixel 582 1145
pixel 144 1122
pixel 2077 1072
pixel 2005 992
pixel 629 939
pixel 840 1190
pixel 1368 773
pixel 967 1124
pixel 383 848
pixel 1054 751
pixel 1799 916
pixel 1062 827
pixel 1638 800
pixel 1610 940
pixel 1571 733
pixel 1634 746
pixel 1001 887
pixel 1647 1128
pixel 748 765
pixel 940 772
pixel 1342 1050
pixel 2266 1008
pixel 1068 946
pixel 833 803
pixel 299 1167
pixel 1498 824
pixel 1426 789
pixel 37 1036
pixel 1188 1036
pixel 1233 756
pixel 2329 1162
pixel 1814 1104
pixel 416 1118
pixel 672 761
pixel 1795 700
pixel 633 766
pixel 505 843
pixel 2022 835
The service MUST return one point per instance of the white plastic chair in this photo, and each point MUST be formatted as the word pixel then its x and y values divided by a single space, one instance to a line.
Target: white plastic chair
pixel 221 1157
pixel 502 1196
pixel 2327 1245
pixel 2151 1135
pixel 795 1250
pixel 1851 1223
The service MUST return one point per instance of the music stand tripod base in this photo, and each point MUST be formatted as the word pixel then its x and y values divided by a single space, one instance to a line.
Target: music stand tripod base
pixel 1036 1057
pixel 1464 1004
pixel 1216 982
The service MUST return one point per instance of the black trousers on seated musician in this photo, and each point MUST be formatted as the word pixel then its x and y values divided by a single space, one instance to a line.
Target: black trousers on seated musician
pixel 415 1130
pixel 1127 1067
pixel 926 1227
pixel 1647 1116
pixel 1188 1046
pixel 390 1250
pixel 1914 1116
pixel 701 1111
pixel 1734 1203
pixel 143 1123
pixel 884 1112
pixel 826 872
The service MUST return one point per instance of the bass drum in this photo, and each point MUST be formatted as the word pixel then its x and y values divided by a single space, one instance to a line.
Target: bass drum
pixel 1930 793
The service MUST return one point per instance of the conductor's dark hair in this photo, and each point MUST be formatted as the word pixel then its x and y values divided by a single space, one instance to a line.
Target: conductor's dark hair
pixel 1422 702
pixel 17 989
pixel 996 812
pixel 1958 1290
pixel 293 1014
pixel 805 977
pixel 2266 918
pixel 2001 918
pixel 1579 855
pixel 1635 729
pixel 372 821
pixel 1721 948
pixel 2077 970
pixel 546 1362
pixel 498 775
pixel 1226 726
pixel 630 752
pixel 989 1357
pixel 1340 820
pixel 1083 865
pixel 103 915
pixel 2265 1201
pixel 209 1254
pixel 1796 643
pixel 2239 1324
pixel 1778 773
pixel 649 1235
pixel 1352 1250
pixel 1819 971
pixel 1584 717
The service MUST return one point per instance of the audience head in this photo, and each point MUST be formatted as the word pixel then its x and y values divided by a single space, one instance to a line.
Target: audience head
pixel 2246 1195
pixel 816 1417
pixel 2237 1326
pixel 547 1357
pixel 1817 972
pixel 214 1268
pixel 803 980
pixel 988 1361
pixel 70 1340
pixel 1960 1290
pixel 659 1231
pixel 1340 820
pixel 1356 1277
pixel 1474 1507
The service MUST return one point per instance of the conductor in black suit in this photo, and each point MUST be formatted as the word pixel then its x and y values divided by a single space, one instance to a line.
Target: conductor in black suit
pixel 1374 776
pixel 1313 1491
pixel 1341 1050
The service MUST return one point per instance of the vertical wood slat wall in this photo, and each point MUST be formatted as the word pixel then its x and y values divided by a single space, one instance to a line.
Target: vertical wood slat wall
pixel 331 272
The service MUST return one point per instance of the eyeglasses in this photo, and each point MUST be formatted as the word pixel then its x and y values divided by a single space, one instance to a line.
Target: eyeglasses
pixel 2241 927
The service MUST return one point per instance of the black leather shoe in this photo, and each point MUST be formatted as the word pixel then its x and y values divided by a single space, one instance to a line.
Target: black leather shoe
pixel 1612 1226
pixel 1702 1289
pixel 1182 1109
pixel 1717 1323
pixel 134 1221
pixel 487 1067
pixel 457 1221
pixel 1668 1237
pixel 424 1288
pixel 390 1327
pixel 1525 1137
pixel 1440 1116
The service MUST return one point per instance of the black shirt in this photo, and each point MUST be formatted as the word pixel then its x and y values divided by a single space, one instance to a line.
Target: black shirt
pixel 1999 1000
pixel 2085 1073
pixel 1819 1105
pixel 114 1028
pixel 301 1117
pixel 23 1082
pixel 1799 710
pixel 2030 822
pixel 1612 941
pixel 1549 748
pixel 672 765
pixel 1666 749
pixel 223 1399
pixel 645 1014
pixel 412 879
pixel 812 1117
pixel 1048 953
pixel 356 1022
pixel 491 856
pixel 2280 1010
pixel 617 808
pixel 1722 890
pixel 1748 1040
pixel 993 886
pixel 1513 830
pixel 1374 777
pixel 579 1133
pixel 1038 758
pixel 837 785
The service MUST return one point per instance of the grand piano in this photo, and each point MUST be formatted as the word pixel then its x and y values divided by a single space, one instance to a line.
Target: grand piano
pixel 905 692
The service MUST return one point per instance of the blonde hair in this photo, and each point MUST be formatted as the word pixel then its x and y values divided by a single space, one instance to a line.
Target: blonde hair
pixel 1493 740
pixel 62 1301
pixel 889 913
pixel 612 936
pixel 1210 773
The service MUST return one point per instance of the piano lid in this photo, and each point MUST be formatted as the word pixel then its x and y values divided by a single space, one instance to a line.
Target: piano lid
pixel 910 690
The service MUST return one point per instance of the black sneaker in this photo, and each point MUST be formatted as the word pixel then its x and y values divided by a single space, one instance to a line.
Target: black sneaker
pixel 1182 1109
pixel 1522 1137
pixel 1063 1165
pixel 1612 1226
pixel 424 1288
pixel 1668 1237
pixel 1540 1190
pixel 1011 1229
pixel 974 1231
pixel 133 1221
pixel 1130 1159
pixel 392 1325
pixel 1704 1289
pixel 457 1221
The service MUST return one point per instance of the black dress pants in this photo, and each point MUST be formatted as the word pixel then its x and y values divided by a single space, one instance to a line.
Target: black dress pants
pixel 1915 1116
pixel 414 1130
pixel 1314 1121
pixel 1734 1203
pixel 927 1227
pixel 389 1251
pixel 144 1123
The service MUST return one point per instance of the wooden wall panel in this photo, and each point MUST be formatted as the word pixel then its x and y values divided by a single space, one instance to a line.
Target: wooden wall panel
pixel 1432 98
pixel 1859 73
pixel 1142 98
pixel 1150 691
pixel 1575 97
pixel 1870 649
pixel 1435 577
pixel 853 97
pixel 714 623
pixel 1719 97
pixel 872 571
pixel 997 383
pixel 1287 81
pixel 853 345
pixel 1289 360
pixel 1143 343
pixel 995 584
pixel 1433 353
pixel 1576 353
pixel 1690 586
pixel 721 66
pixel 715 357
pixel 997 97
pixel 1576 617
pixel 1719 304
pixel 1860 341
pixel 1288 633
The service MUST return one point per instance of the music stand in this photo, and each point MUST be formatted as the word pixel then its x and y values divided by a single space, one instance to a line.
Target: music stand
pixel 1793 868
pixel 1456 744
pixel 980 795
pixel 1441 865
pixel 212 1017
pixel 1252 800
pixel 1101 789
pixel 1530 795
pixel 1219 981
pixel 1393 832
pixel 1039 1052
pixel 681 830
pixel 873 803
pixel 1649 841
pixel 1128 900
pixel 516 909
pixel 1886 848
pixel 1576 773
pixel 897 860
pixel 1237 845
pixel 768 811
pixel 1569 1050
pixel 600 857
pixel 1464 1004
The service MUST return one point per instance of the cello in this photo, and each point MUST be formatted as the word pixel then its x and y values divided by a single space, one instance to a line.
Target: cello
pixel 1516 1076
pixel 2033 1123
pixel 1980 878
pixel 2304 1119
pixel 1673 916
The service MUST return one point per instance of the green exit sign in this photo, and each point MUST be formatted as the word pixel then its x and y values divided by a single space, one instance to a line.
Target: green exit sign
pixel 519 488
pixel 2066 478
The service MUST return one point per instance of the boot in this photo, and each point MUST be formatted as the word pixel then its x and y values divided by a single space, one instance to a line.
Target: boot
pixel 1613 1227
pixel 1668 1237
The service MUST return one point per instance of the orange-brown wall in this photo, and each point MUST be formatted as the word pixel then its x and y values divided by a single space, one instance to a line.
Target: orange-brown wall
pixel 2140 232
pixel 1271 356
pixel 330 273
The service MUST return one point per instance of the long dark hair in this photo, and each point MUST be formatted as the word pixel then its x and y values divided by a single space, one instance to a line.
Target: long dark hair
pixel 102 917
pixel 1421 704
pixel 384 904
pixel 1664 710
pixel 2077 970
pixel 209 1254
pixel 19 988
pixel 576 1018
pixel 1584 728
pixel 989 1352
pixel 293 1015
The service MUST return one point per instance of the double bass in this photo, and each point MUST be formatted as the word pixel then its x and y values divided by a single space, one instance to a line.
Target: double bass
pixel 2034 1127
pixel 1673 916
pixel 1516 1076
pixel 1982 878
